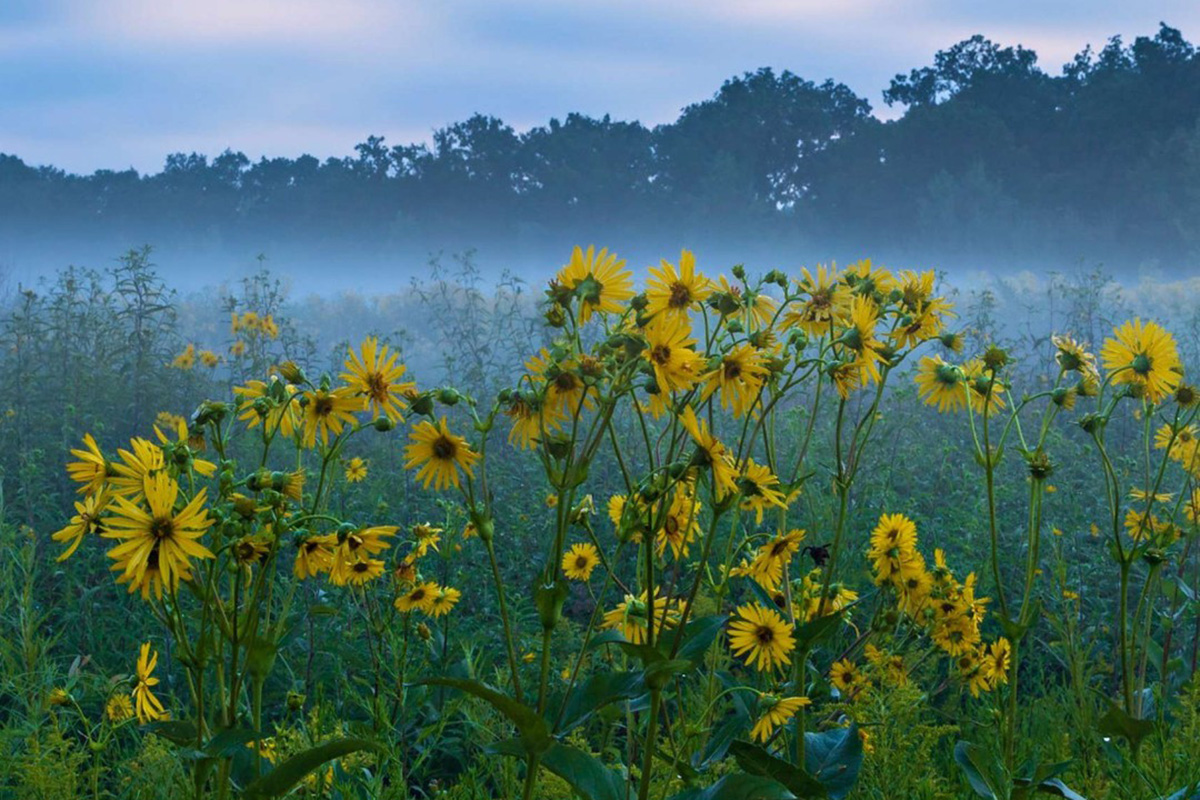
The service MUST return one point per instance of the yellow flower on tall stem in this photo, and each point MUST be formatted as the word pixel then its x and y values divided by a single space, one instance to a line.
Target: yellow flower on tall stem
pixel 712 453
pixel 439 455
pixel 85 521
pixel 329 412
pixel 283 416
pixel 942 384
pixel 675 292
pixel 827 303
pixel 374 373
pixel 1143 354
pixel 314 555
pixel 418 598
pixel 91 470
pixel 776 712
pixel 739 376
pixel 579 561
pixel 158 532
pixel 669 350
pixel 632 617
pixel 443 601
pixel 149 708
pixel 142 460
pixel 760 489
pixel 762 637
pixel 356 470
pixel 599 280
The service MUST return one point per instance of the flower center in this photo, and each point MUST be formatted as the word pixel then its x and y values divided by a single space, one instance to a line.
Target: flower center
pixel 661 354
pixel 444 449
pixel 681 295
pixel 764 635
pixel 1142 364
pixel 162 528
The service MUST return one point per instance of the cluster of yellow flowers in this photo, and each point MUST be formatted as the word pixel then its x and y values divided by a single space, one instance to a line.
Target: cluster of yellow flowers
pixel 187 359
pixel 948 610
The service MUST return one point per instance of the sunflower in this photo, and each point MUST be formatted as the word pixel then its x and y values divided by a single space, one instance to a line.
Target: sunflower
pixel 680 525
pixel 531 419
pixel 669 350
pixel 599 280
pixel 149 708
pixel 181 448
pixel 142 460
pixel 1144 355
pixel 844 675
pixel 631 617
pixel 361 572
pixel 762 636
pixel 776 712
pixel 893 545
pixel 868 280
pixel 250 549
pixel 579 561
pixel 826 303
pixel 158 533
pixel 328 412
pixel 984 388
pixel 956 635
pixel 425 537
pixel 419 597
pixel 566 393
pixel 257 402
pixel 358 546
pixel 439 454
pixel 356 470
pixel 314 555
pixel 997 659
pixel 859 337
pixel 712 453
pixel 1073 356
pixel 444 601
pixel 760 489
pixel 373 373
pixel 118 709
pixel 85 521
pixel 91 470
pixel 739 376
pixel 674 292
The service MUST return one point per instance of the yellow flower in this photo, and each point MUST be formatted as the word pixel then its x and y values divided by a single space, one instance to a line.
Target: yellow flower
pixel 739 376
pixel 776 712
pixel 893 542
pixel 941 384
pixel 443 601
pixel 185 360
pixel 1074 357
pixel 674 292
pixel 182 448
pixel 118 709
pixel 762 637
pixel 1144 355
pixel 149 708
pixel 760 489
pixel 599 280
pixel 631 617
pixel 419 597
pixel 375 374
pixel 314 555
pixel 85 521
pixel 157 542
pixel 328 412
pixel 844 675
pixel 356 547
pixel 956 635
pixel 712 453
pixel 983 388
pixel 91 470
pixel 859 337
pixel 356 470
pixel 531 418
pixel 997 659
pixel 209 359
pixel 579 561
pixel 144 459
pixel 258 401
pixel 439 454
pixel 827 303
pixel 358 572
pixel 669 350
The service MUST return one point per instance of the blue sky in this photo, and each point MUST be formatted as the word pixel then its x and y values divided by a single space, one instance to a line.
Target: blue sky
pixel 86 84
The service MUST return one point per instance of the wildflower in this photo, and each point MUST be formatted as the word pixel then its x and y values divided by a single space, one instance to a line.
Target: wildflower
pixel 1143 355
pixel 762 636
pixel 158 531
pixel 846 678
pixel 142 460
pixel 91 470
pixel 632 617
pixel 827 303
pixel 776 712
pixel 419 597
pixel 1073 356
pixel 681 524
pixel 328 412
pixel 599 280
pixel 358 572
pixel 712 453
pixel 439 454
pixel 85 521
pixel 956 635
pixel 531 419
pixel 314 555
pixel 185 360
pixel 941 384
pixel 373 373
pixel 893 543
pixel 443 601
pixel 759 488
pixel 672 292
pixel 669 350
pixel 149 708
pixel 358 546
pixel 356 470
pixel 579 561
pixel 739 376
pixel 984 388
pixel 997 659
pixel 118 709
pixel 209 359
pixel 181 448
pixel 257 403
pixel 859 337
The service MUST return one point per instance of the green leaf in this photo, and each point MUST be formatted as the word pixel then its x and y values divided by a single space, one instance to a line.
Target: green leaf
pixel 227 742
pixel 1056 787
pixel 534 732
pixel 757 761
pixel 597 692
pixel 287 775
pixel 699 634
pixel 322 610
pixel 178 731
pixel 1116 722
pixel 587 776
pixel 834 758
pixel 647 654
pixel 659 673
pixel 812 632
pixel 739 787
pixel 260 656
pixel 980 769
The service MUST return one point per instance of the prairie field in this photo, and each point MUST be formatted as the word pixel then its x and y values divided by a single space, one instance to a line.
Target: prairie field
pixel 680 531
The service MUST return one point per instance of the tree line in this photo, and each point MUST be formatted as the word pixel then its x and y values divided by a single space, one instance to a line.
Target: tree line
pixel 991 153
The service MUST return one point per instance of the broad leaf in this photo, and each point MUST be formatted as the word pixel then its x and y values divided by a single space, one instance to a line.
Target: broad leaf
pixel 698 636
pixel 739 787
pixel 1116 722
pixel 287 775
pixel 587 776
pixel 178 731
pixel 757 761
pixel 597 692
pixel 228 742
pixel 981 770
pixel 534 732
pixel 834 758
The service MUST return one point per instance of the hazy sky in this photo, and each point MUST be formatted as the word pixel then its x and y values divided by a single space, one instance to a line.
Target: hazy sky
pixel 87 84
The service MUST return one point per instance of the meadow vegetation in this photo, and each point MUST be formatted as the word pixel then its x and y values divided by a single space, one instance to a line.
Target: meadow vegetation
pixel 687 532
